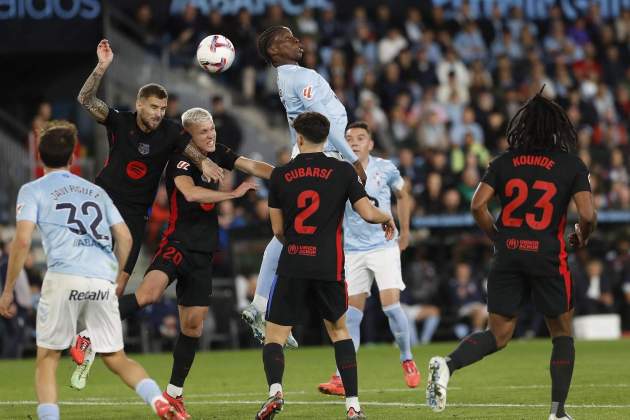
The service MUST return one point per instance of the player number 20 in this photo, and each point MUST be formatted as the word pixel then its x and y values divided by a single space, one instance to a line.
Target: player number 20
pixel 518 188
pixel 309 201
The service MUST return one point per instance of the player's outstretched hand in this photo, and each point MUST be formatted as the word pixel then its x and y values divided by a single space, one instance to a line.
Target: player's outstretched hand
pixel 390 228
pixel 104 53
pixel 212 171
pixel 7 307
pixel 242 189
pixel 576 239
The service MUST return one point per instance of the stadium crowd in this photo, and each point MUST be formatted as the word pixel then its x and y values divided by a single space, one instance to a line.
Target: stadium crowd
pixel 438 92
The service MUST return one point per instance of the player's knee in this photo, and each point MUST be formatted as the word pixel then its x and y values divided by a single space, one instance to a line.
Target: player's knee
pixel 192 325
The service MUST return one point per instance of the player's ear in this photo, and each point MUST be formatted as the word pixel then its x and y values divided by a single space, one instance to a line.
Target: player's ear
pixel 371 145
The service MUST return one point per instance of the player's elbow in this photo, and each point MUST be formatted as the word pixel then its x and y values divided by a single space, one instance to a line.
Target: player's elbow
pixel 477 206
pixel 21 242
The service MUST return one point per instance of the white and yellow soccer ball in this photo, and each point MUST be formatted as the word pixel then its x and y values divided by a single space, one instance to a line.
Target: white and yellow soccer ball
pixel 215 53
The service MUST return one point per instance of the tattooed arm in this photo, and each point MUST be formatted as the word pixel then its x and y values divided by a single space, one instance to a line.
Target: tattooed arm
pixel 209 169
pixel 87 96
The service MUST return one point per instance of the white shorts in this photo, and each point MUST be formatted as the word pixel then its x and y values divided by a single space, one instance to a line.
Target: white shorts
pixel 71 303
pixel 296 151
pixel 383 264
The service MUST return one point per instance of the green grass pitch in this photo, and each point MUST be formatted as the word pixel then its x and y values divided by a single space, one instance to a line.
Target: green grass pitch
pixel 512 384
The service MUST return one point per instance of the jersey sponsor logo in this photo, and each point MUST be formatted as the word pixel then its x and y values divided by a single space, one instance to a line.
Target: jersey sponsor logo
pixel 86 242
pixel 207 206
pixel 136 169
pixel 307 92
pixel 182 164
pixel 307 172
pixel 542 161
pixel 98 295
pixel 303 250
pixel 143 148
pixel 522 245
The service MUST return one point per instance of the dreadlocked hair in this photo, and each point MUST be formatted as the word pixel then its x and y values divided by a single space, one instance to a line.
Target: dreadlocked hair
pixel 264 40
pixel 541 125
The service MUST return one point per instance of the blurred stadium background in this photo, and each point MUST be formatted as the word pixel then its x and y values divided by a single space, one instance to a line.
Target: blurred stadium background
pixel 436 80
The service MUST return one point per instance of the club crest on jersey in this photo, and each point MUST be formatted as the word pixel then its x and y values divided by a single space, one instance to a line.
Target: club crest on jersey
pixel 143 148
pixel 19 207
pixel 307 92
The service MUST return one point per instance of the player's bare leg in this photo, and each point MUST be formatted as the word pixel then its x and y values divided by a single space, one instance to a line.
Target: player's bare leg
pixel 346 358
pixel 191 320
pixel 273 360
pixel 46 383
pixel 136 378
pixel 470 350
pixel 149 291
pixel 561 363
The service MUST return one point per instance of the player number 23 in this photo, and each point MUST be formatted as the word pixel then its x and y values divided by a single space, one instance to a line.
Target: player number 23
pixel 518 188
pixel 304 197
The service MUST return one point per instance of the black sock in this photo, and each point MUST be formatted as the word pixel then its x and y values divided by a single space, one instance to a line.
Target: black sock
pixel 472 349
pixel 128 305
pixel 183 357
pixel 346 359
pixel 561 368
pixel 273 359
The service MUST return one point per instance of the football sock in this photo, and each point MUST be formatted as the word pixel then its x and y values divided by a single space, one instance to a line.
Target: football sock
pixel 472 349
pixel 148 390
pixel 561 369
pixel 428 328
pixel 354 317
pixel 399 326
pixel 260 303
pixel 346 359
pixel 48 411
pixel 174 391
pixel 183 357
pixel 128 305
pixel 267 271
pixel 273 359
pixel 274 389
pixel 353 402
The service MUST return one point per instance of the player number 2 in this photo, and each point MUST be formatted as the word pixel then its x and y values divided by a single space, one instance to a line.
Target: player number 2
pixel 80 227
pixel 313 197
pixel 518 188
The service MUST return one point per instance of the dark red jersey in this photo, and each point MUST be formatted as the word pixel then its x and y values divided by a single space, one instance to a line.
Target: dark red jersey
pixel 136 159
pixel 195 225
pixel 312 190
pixel 535 190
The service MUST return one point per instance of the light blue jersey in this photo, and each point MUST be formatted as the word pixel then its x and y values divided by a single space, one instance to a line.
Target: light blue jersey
pixel 302 90
pixel 382 178
pixel 74 217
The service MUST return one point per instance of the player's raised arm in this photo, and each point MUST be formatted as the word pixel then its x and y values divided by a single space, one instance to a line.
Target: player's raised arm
pixel 17 256
pixel 87 96
pixel 193 193
pixel 253 167
pixel 480 211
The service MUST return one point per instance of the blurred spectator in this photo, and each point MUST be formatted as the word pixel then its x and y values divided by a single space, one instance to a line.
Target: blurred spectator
pixel 594 290
pixel 146 30
pixel 469 43
pixel 468 125
pixel 173 110
pixel 228 130
pixel 391 45
pixel 184 34
pixel 466 296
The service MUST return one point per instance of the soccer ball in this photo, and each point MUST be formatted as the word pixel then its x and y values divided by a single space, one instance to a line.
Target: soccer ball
pixel 215 53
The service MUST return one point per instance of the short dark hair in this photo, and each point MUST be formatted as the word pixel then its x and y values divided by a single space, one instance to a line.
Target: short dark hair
pixel 265 39
pixel 360 124
pixel 152 89
pixel 57 143
pixel 313 126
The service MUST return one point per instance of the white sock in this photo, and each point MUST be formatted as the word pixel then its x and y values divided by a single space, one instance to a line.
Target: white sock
pixel 260 303
pixel 354 403
pixel 274 389
pixel 174 391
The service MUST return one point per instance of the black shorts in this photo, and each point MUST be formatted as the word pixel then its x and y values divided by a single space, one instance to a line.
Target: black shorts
pixel 289 296
pixel 136 221
pixel 508 289
pixel 191 269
